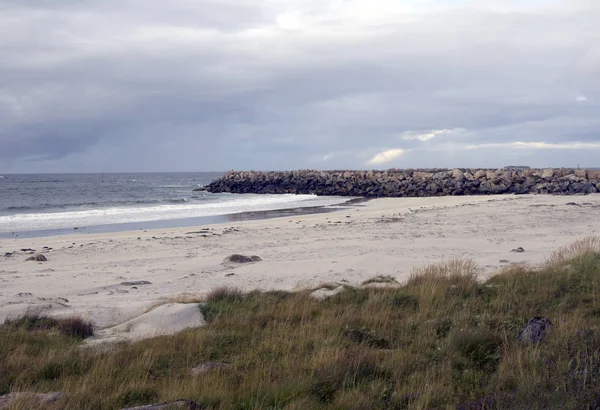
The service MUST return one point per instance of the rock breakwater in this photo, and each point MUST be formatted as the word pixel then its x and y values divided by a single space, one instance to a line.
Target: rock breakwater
pixel 411 183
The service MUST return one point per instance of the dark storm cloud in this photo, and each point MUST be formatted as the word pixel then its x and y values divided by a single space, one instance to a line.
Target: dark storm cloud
pixel 209 85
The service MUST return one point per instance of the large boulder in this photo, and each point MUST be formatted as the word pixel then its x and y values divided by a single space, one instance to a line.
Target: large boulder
pixel 563 172
pixel 593 175
pixel 422 175
pixel 574 178
pixel 548 174
pixel 458 174
pixel 480 174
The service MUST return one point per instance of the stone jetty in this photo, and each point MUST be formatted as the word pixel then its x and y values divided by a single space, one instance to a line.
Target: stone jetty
pixel 411 182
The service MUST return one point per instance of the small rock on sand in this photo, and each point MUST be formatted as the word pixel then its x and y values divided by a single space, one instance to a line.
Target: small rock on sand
pixel 136 283
pixel 236 258
pixel 38 257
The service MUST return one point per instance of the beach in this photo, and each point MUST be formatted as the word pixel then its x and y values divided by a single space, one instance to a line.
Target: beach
pixel 110 278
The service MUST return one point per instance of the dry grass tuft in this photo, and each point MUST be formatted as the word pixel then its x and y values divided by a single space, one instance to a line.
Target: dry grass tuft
pixel 71 326
pixel 434 284
pixel 559 258
pixel 513 270
pixel 224 293
pixel 186 298
pixel 76 327
pixel 453 269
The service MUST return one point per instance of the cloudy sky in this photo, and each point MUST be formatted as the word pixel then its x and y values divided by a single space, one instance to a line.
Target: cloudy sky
pixel 202 85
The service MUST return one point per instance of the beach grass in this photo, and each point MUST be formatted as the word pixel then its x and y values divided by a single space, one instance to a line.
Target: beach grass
pixel 441 340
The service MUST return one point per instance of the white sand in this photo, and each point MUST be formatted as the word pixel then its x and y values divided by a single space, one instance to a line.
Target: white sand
pixel 83 274
pixel 165 319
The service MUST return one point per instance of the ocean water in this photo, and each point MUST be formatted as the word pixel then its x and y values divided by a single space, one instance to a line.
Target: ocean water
pixel 57 202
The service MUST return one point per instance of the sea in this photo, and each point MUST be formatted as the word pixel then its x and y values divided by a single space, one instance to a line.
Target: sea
pixel 54 204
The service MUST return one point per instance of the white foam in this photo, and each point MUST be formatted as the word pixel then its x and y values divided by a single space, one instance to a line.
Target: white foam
pixel 230 204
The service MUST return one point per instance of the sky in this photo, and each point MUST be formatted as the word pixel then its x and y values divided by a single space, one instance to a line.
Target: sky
pixel 213 85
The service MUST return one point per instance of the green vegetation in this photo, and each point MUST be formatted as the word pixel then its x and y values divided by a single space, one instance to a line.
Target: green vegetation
pixel 442 340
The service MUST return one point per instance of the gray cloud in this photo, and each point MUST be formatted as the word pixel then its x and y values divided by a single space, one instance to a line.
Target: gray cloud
pixel 207 85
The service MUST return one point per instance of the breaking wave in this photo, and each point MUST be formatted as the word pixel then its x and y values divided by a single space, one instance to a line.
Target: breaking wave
pixel 89 214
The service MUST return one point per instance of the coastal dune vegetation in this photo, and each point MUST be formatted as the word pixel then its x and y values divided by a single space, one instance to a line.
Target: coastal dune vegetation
pixel 444 339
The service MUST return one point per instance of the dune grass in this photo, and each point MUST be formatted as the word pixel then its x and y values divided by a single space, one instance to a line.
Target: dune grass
pixel 72 326
pixel 442 340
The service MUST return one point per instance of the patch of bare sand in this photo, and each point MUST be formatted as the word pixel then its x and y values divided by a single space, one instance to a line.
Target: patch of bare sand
pixel 163 320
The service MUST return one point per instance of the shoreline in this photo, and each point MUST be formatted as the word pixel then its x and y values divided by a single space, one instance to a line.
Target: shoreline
pixel 180 222
pixel 87 275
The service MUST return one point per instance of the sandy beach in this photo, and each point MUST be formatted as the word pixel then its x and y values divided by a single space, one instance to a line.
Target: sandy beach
pixel 98 276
